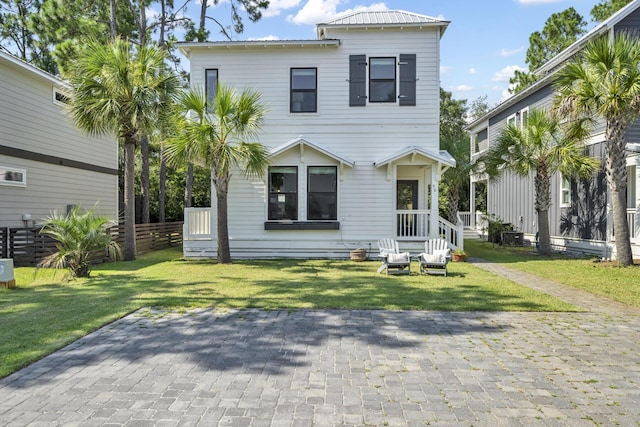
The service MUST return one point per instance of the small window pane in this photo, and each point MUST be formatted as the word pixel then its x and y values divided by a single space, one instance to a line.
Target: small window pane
pixel 302 78
pixel 383 68
pixel 283 179
pixel 211 84
pixel 383 91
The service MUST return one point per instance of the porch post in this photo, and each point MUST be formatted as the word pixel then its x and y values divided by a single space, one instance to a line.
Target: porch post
pixel 434 213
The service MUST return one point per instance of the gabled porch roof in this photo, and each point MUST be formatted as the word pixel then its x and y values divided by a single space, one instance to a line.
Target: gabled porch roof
pixel 441 157
pixel 302 142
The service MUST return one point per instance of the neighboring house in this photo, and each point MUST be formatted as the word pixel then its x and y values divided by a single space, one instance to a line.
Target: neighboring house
pixel 46 164
pixel 353 132
pixel 580 215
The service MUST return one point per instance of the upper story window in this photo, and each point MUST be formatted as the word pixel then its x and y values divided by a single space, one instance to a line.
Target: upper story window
pixel 211 84
pixel 565 192
pixel 382 80
pixel 304 90
pixel 322 193
pixel 13 176
pixel 60 97
pixel 385 76
pixel 283 193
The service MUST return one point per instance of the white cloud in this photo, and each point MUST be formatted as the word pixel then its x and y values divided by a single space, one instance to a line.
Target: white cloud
pixel 460 88
pixel 538 1
pixel 265 38
pixel 506 73
pixel 473 71
pixel 316 11
pixel 277 6
pixel 505 53
pixel 445 69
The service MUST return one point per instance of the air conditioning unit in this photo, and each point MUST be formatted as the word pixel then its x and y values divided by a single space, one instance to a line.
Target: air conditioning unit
pixel 6 274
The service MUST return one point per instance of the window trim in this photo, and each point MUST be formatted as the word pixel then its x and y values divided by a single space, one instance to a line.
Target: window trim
pixel 59 97
pixel 269 193
pixel 334 192
pixel 11 183
pixel 292 90
pixel 512 119
pixel 206 82
pixel 565 189
pixel 394 97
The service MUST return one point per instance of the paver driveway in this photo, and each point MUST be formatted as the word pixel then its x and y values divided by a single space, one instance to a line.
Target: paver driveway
pixel 321 368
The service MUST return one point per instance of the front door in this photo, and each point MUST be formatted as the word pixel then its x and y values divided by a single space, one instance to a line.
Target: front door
pixel 407 200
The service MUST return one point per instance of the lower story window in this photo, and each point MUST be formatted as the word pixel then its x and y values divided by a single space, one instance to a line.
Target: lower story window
pixel 283 193
pixel 322 193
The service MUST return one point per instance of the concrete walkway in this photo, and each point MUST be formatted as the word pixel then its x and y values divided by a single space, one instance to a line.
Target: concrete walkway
pixel 335 368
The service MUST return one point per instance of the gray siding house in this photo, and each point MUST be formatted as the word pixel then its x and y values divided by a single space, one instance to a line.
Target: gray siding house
pixel 46 164
pixel 580 215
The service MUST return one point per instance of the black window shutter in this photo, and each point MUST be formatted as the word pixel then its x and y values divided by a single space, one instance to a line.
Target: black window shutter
pixel 357 80
pixel 407 79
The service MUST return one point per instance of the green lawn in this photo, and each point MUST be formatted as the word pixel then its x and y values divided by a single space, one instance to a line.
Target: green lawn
pixel 45 313
pixel 618 283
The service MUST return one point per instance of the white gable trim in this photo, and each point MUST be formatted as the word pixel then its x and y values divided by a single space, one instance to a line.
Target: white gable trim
pixel 301 142
pixel 441 157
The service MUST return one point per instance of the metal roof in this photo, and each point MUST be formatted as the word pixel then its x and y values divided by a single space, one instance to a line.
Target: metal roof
pixel 387 17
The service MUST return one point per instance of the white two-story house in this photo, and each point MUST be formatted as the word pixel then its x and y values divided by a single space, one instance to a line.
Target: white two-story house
pixel 353 132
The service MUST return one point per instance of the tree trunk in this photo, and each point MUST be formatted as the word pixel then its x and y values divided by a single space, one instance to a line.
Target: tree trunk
pixel 188 186
pixel 144 177
pixel 112 17
pixel 129 201
pixel 542 184
pixel 544 237
pixel 617 180
pixel 162 185
pixel 224 252
pixel 453 199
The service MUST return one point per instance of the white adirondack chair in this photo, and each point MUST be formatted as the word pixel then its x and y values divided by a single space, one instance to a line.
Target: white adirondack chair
pixel 435 257
pixel 392 258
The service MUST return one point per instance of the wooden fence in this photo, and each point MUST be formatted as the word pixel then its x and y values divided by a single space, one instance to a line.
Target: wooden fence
pixel 27 247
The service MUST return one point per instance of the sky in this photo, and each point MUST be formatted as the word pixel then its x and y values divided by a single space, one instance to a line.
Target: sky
pixel 482 46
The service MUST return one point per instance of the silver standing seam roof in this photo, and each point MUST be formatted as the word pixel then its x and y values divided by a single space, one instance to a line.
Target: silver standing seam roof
pixel 385 18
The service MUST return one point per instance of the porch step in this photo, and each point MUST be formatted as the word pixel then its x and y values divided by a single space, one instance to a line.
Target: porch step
pixel 471 234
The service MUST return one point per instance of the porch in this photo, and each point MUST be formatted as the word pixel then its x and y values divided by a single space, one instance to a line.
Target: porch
pixel 412 227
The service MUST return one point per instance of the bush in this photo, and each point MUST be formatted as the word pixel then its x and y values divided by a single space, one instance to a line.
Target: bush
pixel 77 236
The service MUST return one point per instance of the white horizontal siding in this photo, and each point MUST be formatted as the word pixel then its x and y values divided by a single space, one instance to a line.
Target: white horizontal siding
pixel 365 135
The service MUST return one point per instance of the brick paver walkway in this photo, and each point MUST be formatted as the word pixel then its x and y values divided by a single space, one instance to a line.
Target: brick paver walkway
pixel 334 368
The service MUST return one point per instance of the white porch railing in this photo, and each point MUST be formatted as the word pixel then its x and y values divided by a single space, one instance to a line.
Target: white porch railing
pixel 197 224
pixel 467 219
pixel 452 233
pixel 414 225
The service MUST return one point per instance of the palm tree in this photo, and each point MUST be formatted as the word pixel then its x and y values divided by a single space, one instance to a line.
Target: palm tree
pixel 117 88
pixel 540 147
pixel 216 136
pixel 604 82
pixel 77 236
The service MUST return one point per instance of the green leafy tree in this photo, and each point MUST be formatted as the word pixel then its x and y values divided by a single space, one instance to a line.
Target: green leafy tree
pixel 217 136
pixel 455 140
pixel 118 88
pixel 559 32
pixel 604 82
pixel 541 147
pixel 78 235
pixel 606 8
